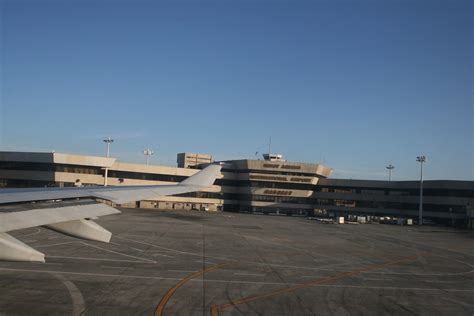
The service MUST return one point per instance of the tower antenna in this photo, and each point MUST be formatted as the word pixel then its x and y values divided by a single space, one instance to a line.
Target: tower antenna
pixel 270 145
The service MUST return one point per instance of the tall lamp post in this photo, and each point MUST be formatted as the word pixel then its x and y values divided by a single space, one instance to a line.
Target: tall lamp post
pixel 148 152
pixel 421 160
pixel 108 141
pixel 390 167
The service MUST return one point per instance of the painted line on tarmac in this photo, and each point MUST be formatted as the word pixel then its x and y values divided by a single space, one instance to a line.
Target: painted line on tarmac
pixel 215 308
pixel 186 271
pixel 119 253
pixel 38 230
pixel 436 281
pixel 206 262
pixel 47 263
pixel 101 259
pixel 52 263
pixel 138 277
pixel 161 255
pixel 230 259
pixel 78 304
pixel 148 244
pixel 250 274
pixel 420 274
pixel 58 244
pixel 112 267
pixel 226 281
pixel 369 279
pixel 392 288
pixel 164 300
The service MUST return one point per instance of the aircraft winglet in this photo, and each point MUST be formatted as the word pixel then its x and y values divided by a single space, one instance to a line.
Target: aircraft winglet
pixel 204 178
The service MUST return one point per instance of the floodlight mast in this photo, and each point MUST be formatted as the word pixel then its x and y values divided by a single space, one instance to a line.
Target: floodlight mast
pixel 390 167
pixel 421 160
pixel 108 141
pixel 148 152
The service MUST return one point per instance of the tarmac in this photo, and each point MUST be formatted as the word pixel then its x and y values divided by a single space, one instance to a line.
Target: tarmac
pixel 203 263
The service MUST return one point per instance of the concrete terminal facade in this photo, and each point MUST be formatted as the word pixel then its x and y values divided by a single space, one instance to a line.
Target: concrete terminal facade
pixel 258 186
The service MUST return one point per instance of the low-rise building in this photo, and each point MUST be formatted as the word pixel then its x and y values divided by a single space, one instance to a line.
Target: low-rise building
pixel 191 160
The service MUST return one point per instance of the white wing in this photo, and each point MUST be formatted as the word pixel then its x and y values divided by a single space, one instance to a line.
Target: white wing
pixel 118 194
pixel 73 217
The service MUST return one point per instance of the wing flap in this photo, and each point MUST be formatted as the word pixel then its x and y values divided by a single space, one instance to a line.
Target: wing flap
pixel 204 178
pixel 82 228
pixel 39 217
pixel 12 249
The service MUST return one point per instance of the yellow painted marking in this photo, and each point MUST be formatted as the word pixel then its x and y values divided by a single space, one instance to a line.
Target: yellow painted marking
pixel 215 308
pixel 161 306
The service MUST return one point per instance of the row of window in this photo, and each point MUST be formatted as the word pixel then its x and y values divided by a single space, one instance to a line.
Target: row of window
pixel 14 183
pixel 275 199
pixel 285 173
pixel 265 184
pixel 246 197
pixel 32 166
pixel 398 192
pixel 391 205
pixel 52 167
pixel 145 176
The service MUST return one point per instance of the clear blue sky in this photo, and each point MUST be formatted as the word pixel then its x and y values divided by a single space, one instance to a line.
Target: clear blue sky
pixel 354 84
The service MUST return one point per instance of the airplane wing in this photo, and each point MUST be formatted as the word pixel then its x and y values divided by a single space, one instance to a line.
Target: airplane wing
pixel 117 194
pixel 72 215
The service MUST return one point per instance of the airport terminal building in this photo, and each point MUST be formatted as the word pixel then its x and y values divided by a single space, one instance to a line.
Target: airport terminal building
pixel 269 186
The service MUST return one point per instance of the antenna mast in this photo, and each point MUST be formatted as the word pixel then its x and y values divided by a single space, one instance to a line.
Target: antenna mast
pixel 270 145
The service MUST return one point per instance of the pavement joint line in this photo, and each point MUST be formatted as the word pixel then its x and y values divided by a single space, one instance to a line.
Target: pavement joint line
pixel 143 277
pixel 58 244
pixel 222 258
pixel 38 230
pixel 157 246
pixel 111 267
pixel 119 253
pixel 100 259
pixel 421 274
pixel 437 281
pixel 164 300
pixel 161 255
pixel 369 279
pixel 250 274
pixel 228 281
pixel 215 308
pixel 52 263
pixel 392 288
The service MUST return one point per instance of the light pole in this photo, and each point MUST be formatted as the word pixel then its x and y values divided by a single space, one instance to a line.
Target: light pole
pixel 390 167
pixel 148 152
pixel 421 160
pixel 108 141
